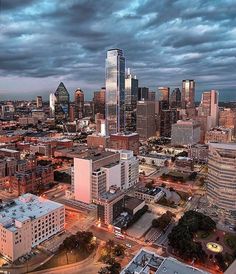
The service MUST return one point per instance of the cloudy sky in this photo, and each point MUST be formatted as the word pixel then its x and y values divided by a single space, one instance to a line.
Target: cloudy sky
pixel 43 42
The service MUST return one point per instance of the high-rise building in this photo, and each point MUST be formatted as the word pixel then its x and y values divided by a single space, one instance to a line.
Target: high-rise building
pixel 146 127
pixel 97 171
pixel 209 108
pixel 115 91
pixel 164 94
pixel 131 97
pixel 188 94
pixel 166 119
pixel 185 133
pixel 52 101
pixel 175 98
pixel 99 101
pixel 79 103
pixel 221 180
pixel 218 135
pixel 227 119
pixel 62 103
pixel 143 93
pixel 39 102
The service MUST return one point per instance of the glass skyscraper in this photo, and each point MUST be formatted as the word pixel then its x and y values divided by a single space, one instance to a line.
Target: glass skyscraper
pixel 115 91
pixel 62 101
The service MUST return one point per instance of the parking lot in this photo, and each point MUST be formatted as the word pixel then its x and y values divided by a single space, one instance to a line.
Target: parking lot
pixel 138 229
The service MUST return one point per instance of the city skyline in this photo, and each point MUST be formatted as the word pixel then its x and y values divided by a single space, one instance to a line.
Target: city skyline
pixel 46 43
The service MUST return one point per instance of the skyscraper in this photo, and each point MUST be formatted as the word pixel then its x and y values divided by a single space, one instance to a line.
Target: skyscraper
pixel 175 98
pixel 188 94
pixel 164 94
pixel 39 102
pixel 52 100
pixel 115 91
pixel 227 119
pixel 61 103
pixel 99 101
pixel 146 119
pixel 79 104
pixel 143 93
pixel 221 180
pixel 208 108
pixel 131 97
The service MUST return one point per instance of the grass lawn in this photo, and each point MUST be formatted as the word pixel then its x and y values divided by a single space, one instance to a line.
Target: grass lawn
pixel 230 240
pixel 63 258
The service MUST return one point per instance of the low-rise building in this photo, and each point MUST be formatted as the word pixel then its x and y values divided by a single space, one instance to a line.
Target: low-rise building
pixel 126 141
pixel 26 222
pixel 98 140
pixel 149 195
pixel 146 261
pixel 218 135
pixel 184 164
pixel 132 204
pixel 6 152
pixel 32 180
pixel 157 159
pixel 198 152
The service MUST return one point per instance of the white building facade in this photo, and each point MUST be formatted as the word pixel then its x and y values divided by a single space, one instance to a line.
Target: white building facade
pixel 26 222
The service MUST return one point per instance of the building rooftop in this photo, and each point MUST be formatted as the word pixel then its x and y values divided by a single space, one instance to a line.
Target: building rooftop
pixel 153 191
pixel 231 146
pixel 9 150
pixel 125 134
pixel 112 194
pixel 132 202
pixel 25 207
pixel 146 260
pixel 96 155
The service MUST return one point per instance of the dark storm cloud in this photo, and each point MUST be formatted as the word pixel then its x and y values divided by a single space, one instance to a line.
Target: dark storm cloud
pixel 164 42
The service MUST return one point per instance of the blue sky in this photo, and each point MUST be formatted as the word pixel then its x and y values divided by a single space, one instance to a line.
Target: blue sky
pixel 48 41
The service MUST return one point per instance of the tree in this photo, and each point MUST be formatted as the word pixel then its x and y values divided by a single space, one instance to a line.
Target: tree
pixel 162 221
pixel 119 250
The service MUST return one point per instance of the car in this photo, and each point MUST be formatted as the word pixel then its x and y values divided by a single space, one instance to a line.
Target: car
pixel 128 245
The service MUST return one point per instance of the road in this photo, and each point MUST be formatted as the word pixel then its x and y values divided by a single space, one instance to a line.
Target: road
pixel 163 240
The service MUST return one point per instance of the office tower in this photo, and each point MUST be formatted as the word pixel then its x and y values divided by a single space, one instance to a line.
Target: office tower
pixel 97 171
pixel 208 108
pixel 175 98
pixel 218 135
pixel 227 119
pixel 188 94
pixel 164 94
pixel 127 141
pixel 61 103
pixel 131 97
pixel 28 221
pixel 72 112
pixel 185 133
pixel 115 91
pixel 167 118
pixel 52 101
pixel 39 102
pixel 79 103
pixel 99 101
pixel 151 96
pixel 143 93
pixel 88 109
pixel 221 180
pixel 146 119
